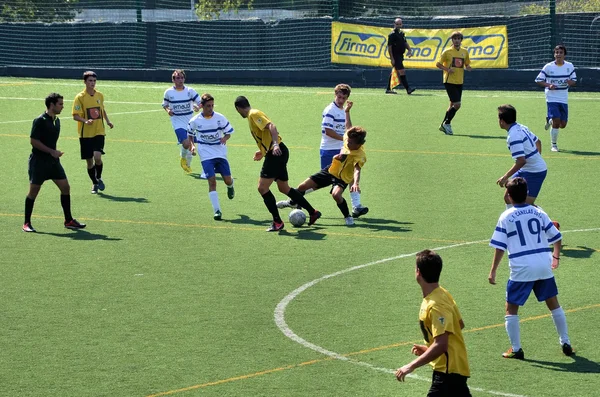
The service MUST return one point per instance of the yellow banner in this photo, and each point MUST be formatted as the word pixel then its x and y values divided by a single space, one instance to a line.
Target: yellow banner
pixel 367 45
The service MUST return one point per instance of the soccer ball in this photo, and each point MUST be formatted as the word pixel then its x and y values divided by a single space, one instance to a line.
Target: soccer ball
pixel 297 217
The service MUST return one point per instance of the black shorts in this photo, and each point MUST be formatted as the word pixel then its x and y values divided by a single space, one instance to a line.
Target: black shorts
pixel 454 92
pixel 399 63
pixel 448 385
pixel 323 178
pixel 275 167
pixel 42 168
pixel 90 145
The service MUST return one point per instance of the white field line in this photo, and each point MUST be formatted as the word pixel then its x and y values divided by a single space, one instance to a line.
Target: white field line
pixel 279 314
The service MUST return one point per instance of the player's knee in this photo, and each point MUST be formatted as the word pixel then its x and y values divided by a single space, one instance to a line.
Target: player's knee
pixel 456 105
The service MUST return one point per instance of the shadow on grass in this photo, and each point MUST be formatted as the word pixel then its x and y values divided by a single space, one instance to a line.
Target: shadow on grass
pixel 302 233
pixel 503 138
pixel 580 153
pixel 196 175
pixel 579 365
pixel 379 225
pixel 123 199
pixel 82 235
pixel 580 252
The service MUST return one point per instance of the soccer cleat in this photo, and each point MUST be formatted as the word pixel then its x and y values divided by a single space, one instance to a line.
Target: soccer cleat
pixel 548 124
pixel 74 225
pixel 185 166
pixel 410 90
pixel 554 148
pixel 567 349
pixel 203 176
pixel 230 192
pixel 94 189
pixel 446 129
pixel 217 215
pixel 28 228
pixel 287 204
pixel 101 185
pixel 359 211
pixel 275 227
pixel 349 221
pixel 519 355
pixel 313 217
pixel 390 92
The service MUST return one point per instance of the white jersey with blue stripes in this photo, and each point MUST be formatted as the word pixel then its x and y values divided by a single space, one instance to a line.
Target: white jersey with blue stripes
pixel 334 118
pixel 526 232
pixel 521 143
pixel 182 104
pixel 551 73
pixel 208 132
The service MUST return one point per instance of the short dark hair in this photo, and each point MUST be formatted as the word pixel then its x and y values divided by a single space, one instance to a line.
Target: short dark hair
pixel 508 113
pixel 429 264
pixel 88 74
pixel 343 88
pixel 561 46
pixel 206 97
pixel 457 34
pixel 241 102
pixel 53 98
pixel 178 71
pixel 357 135
pixel 517 190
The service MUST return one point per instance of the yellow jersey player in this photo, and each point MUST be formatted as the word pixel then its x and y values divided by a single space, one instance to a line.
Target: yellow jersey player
pixel 453 62
pixel 89 112
pixel 345 168
pixel 441 324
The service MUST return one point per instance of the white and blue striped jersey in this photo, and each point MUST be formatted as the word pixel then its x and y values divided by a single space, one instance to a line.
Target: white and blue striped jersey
pixel 334 118
pixel 181 102
pixel 521 143
pixel 551 73
pixel 208 132
pixel 526 232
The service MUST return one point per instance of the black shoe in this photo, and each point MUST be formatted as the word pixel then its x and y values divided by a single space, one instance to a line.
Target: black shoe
pixel 410 90
pixel 390 92
pixel 518 355
pixel 74 225
pixel 94 189
pixel 567 349
pixel 359 211
pixel 313 217
pixel 101 185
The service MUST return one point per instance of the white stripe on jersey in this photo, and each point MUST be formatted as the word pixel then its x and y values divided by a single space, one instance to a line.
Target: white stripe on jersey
pixel 334 118
pixel 521 143
pixel 181 102
pixel 526 232
pixel 208 133
pixel 558 75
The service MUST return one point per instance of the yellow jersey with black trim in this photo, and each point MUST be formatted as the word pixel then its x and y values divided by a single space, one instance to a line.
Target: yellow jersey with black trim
pixel 89 107
pixel 258 122
pixel 457 60
pixel 344 169
pixel 439 314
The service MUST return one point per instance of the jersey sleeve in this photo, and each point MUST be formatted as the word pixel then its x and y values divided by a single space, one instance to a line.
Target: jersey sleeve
pixel 541 75
pixel 327 121
pixel 573 76
pixel 467 59
pixel 499 238
pixel 515 145
pixel 443 58
pixel 36 129
pixel 260 120
pixel 166 101
pixel 442 321
pixel 227 127
pixel 78 107
pixel 195 97
pixel 552 233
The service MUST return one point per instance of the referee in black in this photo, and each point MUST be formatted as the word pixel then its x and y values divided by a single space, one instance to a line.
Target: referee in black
pixel 44 162
pixel 397 45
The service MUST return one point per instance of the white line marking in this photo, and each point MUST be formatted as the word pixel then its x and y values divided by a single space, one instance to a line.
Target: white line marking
pixel 279 314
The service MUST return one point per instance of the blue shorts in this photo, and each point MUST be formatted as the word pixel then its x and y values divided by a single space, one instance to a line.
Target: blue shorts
pixel 182 135
pixel 327 157
pixel 517 292
pixel 558 111
pixel 217 165
pixel 534 181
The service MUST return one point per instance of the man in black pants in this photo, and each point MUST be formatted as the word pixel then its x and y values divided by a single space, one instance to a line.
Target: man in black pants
pixel 44 162
pixel 397 45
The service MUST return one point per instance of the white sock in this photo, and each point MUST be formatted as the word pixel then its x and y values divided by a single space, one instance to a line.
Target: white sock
pixel 513 330
pixel 560 322
pixel 184 152
pixel 309 191
pixel 554 136
pixel 214 200
pixel 509 206
pixel 355 199
pixel 231 183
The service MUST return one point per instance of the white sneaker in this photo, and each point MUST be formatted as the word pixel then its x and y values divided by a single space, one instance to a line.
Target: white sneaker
pixel 446 129
pixel 203 176
pixel 554 148
pixel 548 124
pixel 349 221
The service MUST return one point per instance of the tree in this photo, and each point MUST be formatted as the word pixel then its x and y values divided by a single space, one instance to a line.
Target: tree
pixel 38 10
pixel 212 9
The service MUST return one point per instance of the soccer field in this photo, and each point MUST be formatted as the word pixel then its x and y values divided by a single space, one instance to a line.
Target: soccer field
pixel 155 298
